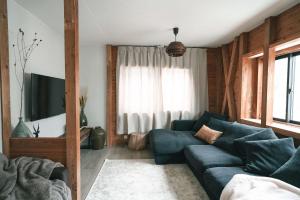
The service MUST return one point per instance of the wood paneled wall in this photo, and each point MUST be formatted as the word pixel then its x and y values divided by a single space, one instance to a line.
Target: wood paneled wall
pixel 286 27
pixel 253 96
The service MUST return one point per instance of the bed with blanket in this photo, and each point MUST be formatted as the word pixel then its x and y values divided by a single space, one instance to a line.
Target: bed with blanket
pixel 32 178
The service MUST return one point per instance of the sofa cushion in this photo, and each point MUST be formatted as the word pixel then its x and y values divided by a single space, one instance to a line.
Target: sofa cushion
pixel 165 141
pixel 262 135
pixel 215 179
pixel 219 125
pixel 204 119
pixel 202 157
pixel 232 132
pixel 265 156
pixel 183 125
pixel 290 171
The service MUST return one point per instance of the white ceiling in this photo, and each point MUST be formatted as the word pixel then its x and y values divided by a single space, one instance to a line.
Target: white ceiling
pixel 205 23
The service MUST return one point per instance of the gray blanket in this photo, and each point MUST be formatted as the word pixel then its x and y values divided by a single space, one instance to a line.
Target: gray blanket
pixel 28 178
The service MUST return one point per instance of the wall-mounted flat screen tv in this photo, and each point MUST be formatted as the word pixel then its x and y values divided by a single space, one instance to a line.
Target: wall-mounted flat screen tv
pixel 47 97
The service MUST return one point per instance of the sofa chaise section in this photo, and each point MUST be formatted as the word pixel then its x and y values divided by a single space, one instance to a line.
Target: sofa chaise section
pixel 168 145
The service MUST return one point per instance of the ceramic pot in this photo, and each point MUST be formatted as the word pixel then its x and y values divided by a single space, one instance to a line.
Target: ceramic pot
pixel 21 130
pixel 98 138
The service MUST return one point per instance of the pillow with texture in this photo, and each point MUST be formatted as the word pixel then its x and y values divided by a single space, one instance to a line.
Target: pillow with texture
pixel 239 143
pixel 204 119
pixel 264 157
pixel 208 135
pixel 232 132
pixel 290 171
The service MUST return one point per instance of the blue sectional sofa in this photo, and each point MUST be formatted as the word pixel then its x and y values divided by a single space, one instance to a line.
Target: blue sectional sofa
pixel 213 165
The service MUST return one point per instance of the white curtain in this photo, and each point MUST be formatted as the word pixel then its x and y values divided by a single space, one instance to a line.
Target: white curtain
pixel 154 89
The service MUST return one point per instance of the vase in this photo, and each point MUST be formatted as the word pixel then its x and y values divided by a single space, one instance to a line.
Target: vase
pixel 98 138
pixel 83 118
pixel 21 130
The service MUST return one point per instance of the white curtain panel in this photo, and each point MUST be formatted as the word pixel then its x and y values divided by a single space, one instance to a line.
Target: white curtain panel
pixel 154 89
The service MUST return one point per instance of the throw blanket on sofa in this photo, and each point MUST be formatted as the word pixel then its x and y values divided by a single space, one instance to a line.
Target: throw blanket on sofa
pixel 28 178
pixel 246 187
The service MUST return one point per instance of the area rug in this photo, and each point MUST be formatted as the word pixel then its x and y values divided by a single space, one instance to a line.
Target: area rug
pixel 143 180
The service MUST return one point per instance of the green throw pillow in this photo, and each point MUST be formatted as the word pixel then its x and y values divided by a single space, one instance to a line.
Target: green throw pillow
pixel 264 157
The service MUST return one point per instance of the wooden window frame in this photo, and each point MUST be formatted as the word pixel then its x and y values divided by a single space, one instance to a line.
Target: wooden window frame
pixel 290 83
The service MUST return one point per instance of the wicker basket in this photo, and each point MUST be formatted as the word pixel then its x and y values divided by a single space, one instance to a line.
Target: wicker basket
pixel 137 141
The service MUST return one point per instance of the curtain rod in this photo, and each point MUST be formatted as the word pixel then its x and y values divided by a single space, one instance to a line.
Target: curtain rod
pixel 126 45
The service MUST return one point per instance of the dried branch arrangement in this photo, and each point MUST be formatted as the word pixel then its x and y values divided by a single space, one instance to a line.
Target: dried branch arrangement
pixel 82 101
pixel 22 53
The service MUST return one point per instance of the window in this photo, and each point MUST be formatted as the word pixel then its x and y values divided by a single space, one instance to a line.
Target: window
pixel 286 105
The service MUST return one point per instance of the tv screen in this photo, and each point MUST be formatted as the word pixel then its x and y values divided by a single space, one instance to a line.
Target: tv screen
pixel 47 96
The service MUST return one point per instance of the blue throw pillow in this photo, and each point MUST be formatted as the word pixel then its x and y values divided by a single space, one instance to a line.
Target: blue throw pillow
pixel 204 119
pixel 239 143
pixel 290 171
pixel 264 157
pixel 232 132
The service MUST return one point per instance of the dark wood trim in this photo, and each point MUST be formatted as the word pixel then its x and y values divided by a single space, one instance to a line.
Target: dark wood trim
pixel 72 95
pixel 4 71
pixel 268 72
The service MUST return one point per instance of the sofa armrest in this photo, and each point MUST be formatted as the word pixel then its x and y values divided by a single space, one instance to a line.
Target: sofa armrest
pixel 60 173
pixel 183 125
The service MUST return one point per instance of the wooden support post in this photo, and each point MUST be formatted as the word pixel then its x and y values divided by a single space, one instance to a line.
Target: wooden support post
pixel 4 71
pixel 72 95
pixel 229 80
pixel 219 80
pixel 243 47
pixel 268 72
pixel 109 96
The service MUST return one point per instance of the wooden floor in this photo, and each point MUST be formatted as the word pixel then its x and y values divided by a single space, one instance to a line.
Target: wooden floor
pixel 92 161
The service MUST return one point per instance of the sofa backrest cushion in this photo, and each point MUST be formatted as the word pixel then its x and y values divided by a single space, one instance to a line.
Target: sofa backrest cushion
pixel 290 171
pixel 264 157
pixel 219 125
pixel 239 143
pixel 205 118
pixel 232 132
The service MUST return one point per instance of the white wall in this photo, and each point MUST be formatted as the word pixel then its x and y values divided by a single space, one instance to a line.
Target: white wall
pixel 47 59
pixel 93 81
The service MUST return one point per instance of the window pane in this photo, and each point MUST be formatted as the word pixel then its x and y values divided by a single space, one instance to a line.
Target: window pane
pixel 296 102
pixel 279 105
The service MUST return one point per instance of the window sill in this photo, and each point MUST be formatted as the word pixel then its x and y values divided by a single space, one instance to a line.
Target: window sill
pixel 286 129
pixel 251 122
